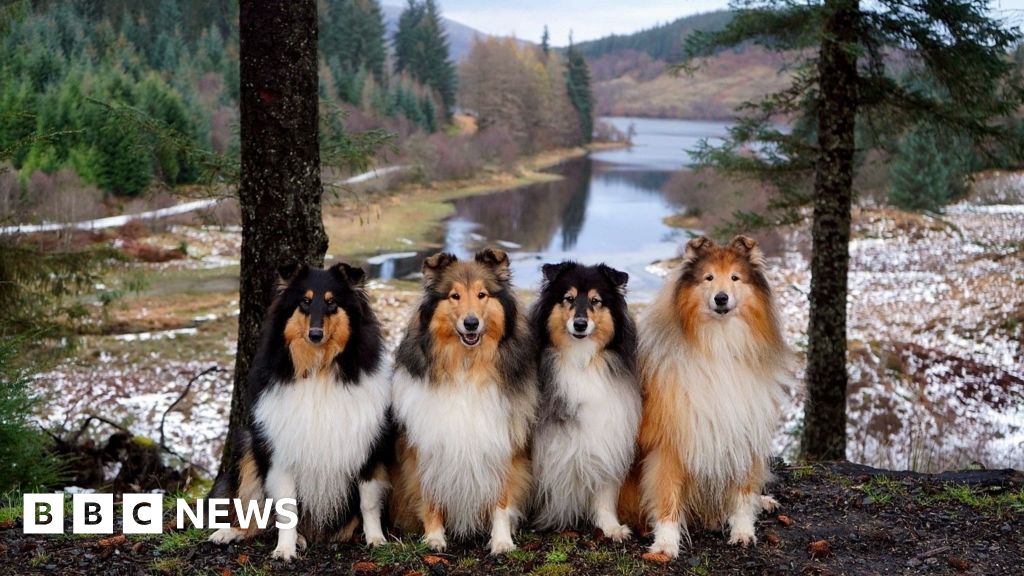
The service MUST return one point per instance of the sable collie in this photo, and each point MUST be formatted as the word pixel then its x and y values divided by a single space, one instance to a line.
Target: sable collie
pixel 585 438
pixel 465 396
pixel 319 425
pixel 714 369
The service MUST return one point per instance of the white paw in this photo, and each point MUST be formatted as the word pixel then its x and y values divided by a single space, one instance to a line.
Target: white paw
pixel 284 553
pixel 226 536
pixel 435 542
pixel 374 540
pixel 743 537
pixel 617 533
pixel 501 546
pixel 769 503
pixel 300 542
pixel 670 549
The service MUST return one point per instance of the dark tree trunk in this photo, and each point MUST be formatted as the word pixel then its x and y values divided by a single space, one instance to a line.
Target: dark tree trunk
pixel 824 431
pixel 280 188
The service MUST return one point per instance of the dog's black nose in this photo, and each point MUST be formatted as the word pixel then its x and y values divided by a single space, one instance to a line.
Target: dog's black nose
pixel 471 323
pixel 721 299
pixel 316 334
pixel 580 324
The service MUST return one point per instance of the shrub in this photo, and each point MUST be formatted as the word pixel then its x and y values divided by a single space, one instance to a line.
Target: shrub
pixel 929 169
pixel 26 464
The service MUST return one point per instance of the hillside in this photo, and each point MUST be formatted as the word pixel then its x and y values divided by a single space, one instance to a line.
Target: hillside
pixel 633 77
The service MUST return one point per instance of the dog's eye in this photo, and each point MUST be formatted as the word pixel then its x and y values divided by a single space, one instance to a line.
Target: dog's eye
pixel 454 296
pixel 306 301
pixel 482 295
pixel 595 301
pixel 709 277
pixel 569 299
pixel 735 278
pixel 332 305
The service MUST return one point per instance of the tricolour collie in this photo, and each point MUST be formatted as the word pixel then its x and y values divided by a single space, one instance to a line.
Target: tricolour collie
pixel 465 396
pixel 319 428
pixel 713 366
pixel 590 397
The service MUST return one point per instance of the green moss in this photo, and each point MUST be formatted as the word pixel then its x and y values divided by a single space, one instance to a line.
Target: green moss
pixel 988 499
pixel 170 565
pixel 556 569
pixel 630 566
pixel 598 556
pixel 882 489
pixel 179 540
pixel 557 556
pixel 400 552
pixel 520 555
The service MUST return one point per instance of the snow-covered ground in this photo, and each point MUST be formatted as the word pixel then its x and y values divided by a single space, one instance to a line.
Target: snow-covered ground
pixel 936 323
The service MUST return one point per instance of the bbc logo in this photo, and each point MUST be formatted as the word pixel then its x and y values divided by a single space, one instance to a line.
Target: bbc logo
pixel 93 513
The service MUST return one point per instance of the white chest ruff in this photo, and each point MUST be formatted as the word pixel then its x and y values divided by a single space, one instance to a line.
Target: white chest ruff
pixel 461 433
pixel 593 447
pixel 322 432
pixel 729 410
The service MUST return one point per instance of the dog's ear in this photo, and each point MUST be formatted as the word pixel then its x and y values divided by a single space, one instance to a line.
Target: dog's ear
pixel 695 247
pixel 618 278
pixel 747 247
pixel 435 265
pixel 497 261
pixel 355 275
pixel 286 273
pixel 552 271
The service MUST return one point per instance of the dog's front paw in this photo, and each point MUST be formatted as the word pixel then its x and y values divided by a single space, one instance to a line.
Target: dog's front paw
pixel 374 540
pixel 743 537
pixel 226 536
pixel 769 503
pixel 501 546
pixel 283 553
pixel 617 532
pixel 435 541
pixel 670 549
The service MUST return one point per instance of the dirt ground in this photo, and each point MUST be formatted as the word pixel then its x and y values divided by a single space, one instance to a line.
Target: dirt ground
pixel 835 519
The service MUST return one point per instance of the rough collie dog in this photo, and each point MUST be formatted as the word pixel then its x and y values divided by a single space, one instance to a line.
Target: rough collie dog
pixel 714 368
pixel 319 427
pixel 465 396
pixel 585 438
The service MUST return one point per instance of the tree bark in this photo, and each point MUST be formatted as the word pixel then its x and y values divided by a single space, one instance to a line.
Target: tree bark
pixel 824 430
pixel 280 189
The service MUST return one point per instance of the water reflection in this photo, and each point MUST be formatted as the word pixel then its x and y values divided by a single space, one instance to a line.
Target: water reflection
pixel 607 208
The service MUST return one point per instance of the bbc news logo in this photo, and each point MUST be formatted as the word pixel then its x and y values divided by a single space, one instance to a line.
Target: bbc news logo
pixel 143 513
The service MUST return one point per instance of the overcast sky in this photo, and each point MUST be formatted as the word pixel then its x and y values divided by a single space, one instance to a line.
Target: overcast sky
pixel 589 19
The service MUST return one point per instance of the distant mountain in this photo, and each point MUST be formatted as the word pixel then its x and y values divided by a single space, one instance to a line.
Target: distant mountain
pixel 460 36
pixel 661 42
pixel 632 76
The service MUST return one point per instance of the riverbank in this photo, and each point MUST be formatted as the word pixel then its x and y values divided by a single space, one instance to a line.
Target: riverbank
pixel 408 217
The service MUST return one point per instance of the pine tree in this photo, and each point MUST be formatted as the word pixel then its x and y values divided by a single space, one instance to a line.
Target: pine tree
pixel 545 42
pixel 577 81
pixel 421 51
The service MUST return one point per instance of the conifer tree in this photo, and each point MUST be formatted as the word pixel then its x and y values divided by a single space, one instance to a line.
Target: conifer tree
pixel 577 80
pixel 421 51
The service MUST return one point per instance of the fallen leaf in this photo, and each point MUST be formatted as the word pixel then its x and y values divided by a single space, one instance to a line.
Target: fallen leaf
pixel 137 547
pixel 772 538
pixel 785 520
pixel 819 548
pixel 569 534
pixel 225 572
pixel 9 523
pixel 959 563
pixel 243 558
pixel 113 541
pixel 656 557
pixel 432 560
